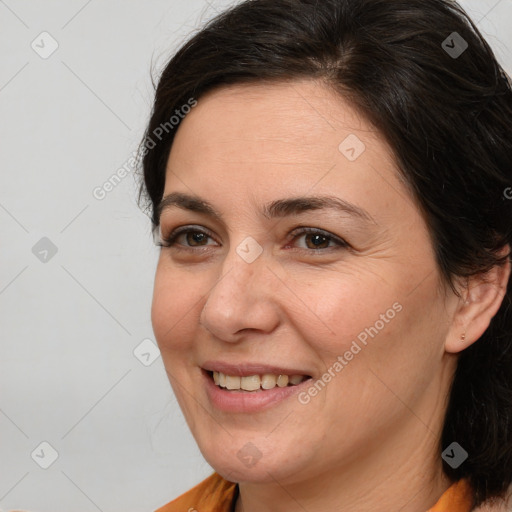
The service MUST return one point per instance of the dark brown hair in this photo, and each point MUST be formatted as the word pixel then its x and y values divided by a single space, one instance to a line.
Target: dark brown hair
pixel 448 119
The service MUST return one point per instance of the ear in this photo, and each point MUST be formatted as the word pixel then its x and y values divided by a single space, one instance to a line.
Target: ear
pixel 480 300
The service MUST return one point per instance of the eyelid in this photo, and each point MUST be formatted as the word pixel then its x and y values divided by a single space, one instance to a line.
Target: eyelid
pixel 169 240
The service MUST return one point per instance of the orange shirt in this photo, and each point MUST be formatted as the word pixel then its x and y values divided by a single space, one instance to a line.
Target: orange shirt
pixel 218 495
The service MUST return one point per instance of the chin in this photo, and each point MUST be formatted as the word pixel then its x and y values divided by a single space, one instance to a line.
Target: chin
pixel 250 464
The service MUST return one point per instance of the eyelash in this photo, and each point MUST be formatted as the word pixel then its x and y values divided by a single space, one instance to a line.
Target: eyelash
pixel 170 240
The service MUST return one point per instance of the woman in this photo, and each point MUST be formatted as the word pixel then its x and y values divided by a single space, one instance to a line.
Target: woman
pixel 332 298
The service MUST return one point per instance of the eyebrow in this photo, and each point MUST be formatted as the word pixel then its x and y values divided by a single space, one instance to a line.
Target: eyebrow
pixel 278 208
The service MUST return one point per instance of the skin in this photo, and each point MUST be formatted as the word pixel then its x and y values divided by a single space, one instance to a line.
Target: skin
pixel 369 440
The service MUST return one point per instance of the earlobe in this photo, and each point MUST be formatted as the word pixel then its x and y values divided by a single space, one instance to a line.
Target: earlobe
pixel 480 301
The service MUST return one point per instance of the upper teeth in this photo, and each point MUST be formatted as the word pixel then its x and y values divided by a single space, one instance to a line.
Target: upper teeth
pixel 254 382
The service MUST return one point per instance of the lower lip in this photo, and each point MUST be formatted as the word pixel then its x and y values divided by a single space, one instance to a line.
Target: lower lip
pixel 248 401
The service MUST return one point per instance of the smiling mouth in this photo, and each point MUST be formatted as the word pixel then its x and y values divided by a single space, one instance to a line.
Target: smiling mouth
pixel 255 383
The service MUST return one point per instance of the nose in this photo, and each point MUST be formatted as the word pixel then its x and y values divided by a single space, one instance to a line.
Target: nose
pixel 242 299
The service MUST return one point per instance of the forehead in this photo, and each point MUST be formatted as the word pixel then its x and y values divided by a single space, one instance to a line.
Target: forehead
pixel 296 112
pixel 253 139
pixel 299 122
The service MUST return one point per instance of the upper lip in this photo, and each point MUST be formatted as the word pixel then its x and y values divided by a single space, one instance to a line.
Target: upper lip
pixel 248 369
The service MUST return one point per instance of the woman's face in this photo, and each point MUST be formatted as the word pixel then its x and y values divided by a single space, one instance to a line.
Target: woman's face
pixel 356 304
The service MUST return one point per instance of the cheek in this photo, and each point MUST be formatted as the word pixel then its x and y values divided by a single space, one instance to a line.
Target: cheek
pixel 341 308
pixel 173 314
pixel 374 325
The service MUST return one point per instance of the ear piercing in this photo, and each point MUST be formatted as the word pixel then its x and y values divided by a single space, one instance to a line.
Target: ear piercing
pixel 463 337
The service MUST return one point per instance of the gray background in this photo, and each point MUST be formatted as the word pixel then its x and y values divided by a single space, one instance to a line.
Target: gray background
pixel 71 321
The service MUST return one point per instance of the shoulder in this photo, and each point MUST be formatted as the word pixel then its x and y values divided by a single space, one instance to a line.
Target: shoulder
pixel 213 494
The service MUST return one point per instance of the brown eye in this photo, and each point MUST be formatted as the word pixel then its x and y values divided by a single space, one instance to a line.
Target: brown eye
pixel 195 237
pixel 316 240
pixel 186 238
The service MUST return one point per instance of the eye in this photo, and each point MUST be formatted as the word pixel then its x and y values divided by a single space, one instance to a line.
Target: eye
pixel 188 238
pixel 192 238
pixel 317 240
